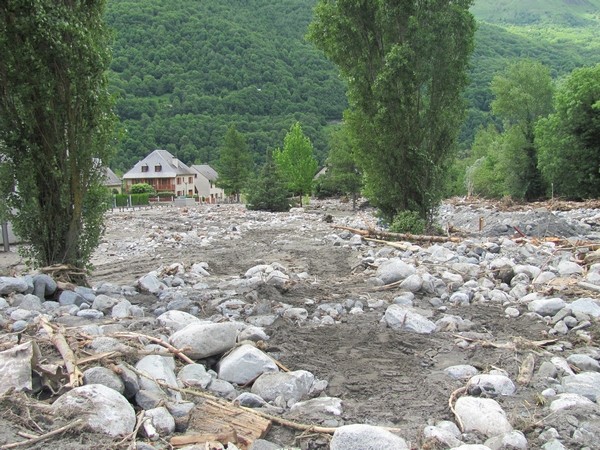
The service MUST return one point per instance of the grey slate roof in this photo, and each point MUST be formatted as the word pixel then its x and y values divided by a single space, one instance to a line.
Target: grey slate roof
pixel 208 172
pixel 110 178
pixel 170 166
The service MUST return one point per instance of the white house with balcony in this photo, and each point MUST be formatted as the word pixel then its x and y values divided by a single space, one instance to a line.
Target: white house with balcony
pixel 164 172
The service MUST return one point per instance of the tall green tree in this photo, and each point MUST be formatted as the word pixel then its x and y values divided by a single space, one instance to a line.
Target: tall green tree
pixel 405 64
pixel 522 95
pixel 343 173
pixel 55 124
pixel 296 161
pixel 568 141
pixel 235 163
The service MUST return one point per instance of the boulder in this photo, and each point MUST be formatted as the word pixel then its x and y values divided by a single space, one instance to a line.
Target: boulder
pixel 103 409
pixel 202 340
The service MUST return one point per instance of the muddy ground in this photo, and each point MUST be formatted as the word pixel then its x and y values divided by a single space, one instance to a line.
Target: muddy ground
pixel 384 377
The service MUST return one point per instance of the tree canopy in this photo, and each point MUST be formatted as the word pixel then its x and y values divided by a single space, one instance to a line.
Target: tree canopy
pixel 296 161
pixel 55 124
pixel 568 141
pixel 405 79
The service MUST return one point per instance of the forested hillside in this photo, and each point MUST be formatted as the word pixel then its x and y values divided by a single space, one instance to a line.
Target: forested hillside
pixel 184 71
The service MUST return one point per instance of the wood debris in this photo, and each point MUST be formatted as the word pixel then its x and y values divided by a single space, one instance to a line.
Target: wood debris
pixel 386 235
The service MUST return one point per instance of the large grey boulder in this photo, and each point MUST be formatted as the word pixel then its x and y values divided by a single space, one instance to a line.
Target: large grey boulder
pixel 202 340
pixel 43 285
pixel 177 320
pixel 586 384
pixel 151 284
pixel 365 437
pixel 483 415
pixel 588 306
pixel 491 384
pixel 400 317
pixel 157 368
pixel 105 377
pixel 103 409
pixel 546 306
pixel 244 364
pixel 8 285
pixel 194 375
pixel 394 270
pixel 289 385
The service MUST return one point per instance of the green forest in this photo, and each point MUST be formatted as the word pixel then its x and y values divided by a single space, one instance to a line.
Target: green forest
pixel 183 72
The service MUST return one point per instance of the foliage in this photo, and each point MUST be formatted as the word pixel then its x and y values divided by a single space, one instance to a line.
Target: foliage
pixel 485 176
pixel 235 163
pixel 296 161
pixel 523 94
pixel 268 191
pixel 405 79
pixel 185 70
pixel 55 125
pixel 141 188
pixel 343 176
pixel 408 222
pixel 139 199
pixel 568 141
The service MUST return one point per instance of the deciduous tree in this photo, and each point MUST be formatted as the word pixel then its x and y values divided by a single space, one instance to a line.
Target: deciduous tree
pixel 55 124
pixel 296 161
pixel 405 63
pixel 568 141
pixel 522 95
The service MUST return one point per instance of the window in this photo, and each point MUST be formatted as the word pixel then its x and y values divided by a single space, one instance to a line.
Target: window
pixel 157 168
pixel 190 180
pixel 145 168
pixel 178 180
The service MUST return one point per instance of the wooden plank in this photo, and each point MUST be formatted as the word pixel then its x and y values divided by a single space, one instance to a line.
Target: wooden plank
pixel 219 421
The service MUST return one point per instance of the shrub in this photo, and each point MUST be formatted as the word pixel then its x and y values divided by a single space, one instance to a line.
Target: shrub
pixel 408 222
pixel 141 188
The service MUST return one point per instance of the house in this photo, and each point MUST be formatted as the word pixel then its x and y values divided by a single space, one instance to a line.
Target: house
pixel 205 184
pixel 164 172
pixel 112 181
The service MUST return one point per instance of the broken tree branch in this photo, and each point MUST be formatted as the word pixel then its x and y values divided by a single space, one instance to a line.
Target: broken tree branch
pixel 59 341
pixel 398 236
pixel 452 400
pixel 42 437
pixel 158 341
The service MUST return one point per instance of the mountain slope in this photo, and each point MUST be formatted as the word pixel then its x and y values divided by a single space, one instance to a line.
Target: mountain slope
pixel 184 71
pixel 570 13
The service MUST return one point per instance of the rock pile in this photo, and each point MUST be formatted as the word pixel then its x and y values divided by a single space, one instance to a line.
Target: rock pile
pixel 181 327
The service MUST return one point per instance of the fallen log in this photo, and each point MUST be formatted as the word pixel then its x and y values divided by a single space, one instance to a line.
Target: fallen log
pixel 399 236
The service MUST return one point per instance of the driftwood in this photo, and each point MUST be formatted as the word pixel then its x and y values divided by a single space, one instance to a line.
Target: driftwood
pixel 34 439
pixel 59 341
pixel 177 352
pixel 379 234
pixel 526 370
pixel 588 286
pixel 451 402
pixel 201 438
